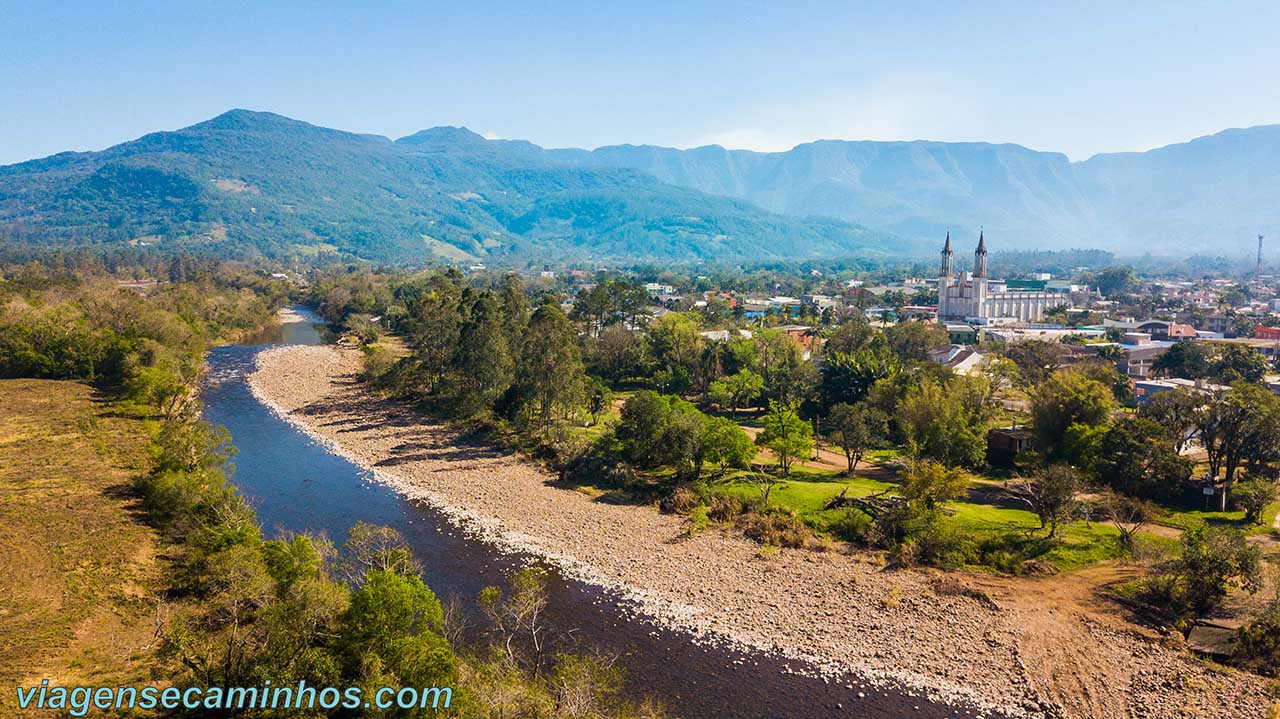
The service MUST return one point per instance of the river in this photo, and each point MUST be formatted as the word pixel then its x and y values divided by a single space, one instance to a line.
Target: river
pixel 297 485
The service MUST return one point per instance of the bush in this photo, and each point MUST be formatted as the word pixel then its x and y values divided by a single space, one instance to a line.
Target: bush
pixel 1253 496
pixel 697 520
pixel 376 363
pixel 1258 644
pixel 777 528
pixel 1213 560
pixel 682 501
pixel 725 508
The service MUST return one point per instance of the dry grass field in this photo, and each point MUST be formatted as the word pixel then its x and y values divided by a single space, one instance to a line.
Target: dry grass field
pixel 79 569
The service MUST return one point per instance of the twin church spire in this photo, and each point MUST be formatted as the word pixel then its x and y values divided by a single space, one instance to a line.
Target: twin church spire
pixel 979 257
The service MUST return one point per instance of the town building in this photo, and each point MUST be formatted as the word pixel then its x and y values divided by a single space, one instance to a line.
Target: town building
pixel 1144 390
pixel 973 295
pixel 1004 445
pixel 959 358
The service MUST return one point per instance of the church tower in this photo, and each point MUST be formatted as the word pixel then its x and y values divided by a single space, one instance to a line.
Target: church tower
pixel 980 257
pixel 946 258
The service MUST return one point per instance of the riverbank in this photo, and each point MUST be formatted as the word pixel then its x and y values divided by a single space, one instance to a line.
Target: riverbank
pixel 1013 646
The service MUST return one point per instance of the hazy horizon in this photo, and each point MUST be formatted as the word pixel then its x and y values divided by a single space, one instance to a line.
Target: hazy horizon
pixel 491 136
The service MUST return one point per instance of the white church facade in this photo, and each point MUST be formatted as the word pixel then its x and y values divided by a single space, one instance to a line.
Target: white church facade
pixel 972 295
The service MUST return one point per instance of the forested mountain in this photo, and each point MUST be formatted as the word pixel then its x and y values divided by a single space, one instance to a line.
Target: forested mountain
pixel 1212 194
pixel 251 181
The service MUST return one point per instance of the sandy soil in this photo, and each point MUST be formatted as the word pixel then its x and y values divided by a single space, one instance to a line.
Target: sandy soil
pixel 1037 647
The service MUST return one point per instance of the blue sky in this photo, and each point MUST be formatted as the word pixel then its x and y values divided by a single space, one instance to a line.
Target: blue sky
pixel 1076 77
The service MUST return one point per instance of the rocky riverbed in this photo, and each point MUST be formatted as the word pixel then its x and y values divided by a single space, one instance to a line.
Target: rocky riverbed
pixel 988 644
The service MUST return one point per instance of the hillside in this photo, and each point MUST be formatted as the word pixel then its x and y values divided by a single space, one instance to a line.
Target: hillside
pixel 1212 194
pixel 258 182
pixel 250 182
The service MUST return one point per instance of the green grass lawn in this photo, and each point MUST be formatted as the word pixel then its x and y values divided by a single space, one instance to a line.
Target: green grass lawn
pixel 1003 529
pixel 1185 518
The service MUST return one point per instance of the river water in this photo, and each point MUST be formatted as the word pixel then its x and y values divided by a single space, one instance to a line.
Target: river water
pixel 297 485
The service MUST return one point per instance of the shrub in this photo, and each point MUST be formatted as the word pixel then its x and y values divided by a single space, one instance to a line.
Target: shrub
pixel 1258 643
pixel 725 508
pixel 682 501
pixel 1253 496
pixel 697 520
pixel 782 529
pixel 376 363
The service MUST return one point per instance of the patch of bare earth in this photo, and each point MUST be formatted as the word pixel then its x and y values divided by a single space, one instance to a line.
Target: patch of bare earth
pixel 1029 647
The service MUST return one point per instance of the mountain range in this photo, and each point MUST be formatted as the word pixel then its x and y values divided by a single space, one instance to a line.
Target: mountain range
pixel 260 182
pixel 1210 195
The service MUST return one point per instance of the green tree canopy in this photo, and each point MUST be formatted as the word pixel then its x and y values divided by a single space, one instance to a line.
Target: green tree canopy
pixel 785 433
pixel 1068 397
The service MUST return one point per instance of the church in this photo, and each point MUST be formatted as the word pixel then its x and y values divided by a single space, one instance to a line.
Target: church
pixel 972 295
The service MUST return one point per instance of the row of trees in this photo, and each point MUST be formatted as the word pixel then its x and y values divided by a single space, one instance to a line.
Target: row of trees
pixel 147 347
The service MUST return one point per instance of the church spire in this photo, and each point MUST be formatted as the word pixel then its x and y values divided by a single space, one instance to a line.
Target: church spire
pixel 980 257
pixel 946 257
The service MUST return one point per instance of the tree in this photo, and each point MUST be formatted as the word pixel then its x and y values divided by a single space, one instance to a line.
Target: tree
pixel 657 430
pixel 433 325
pixel 550 374
pixel 515 310
pixel 1128 514
pixel 1241 429
pixel 619 353
pixel 1068 397
pixel 517 617
pixel 642 427
pixel 1114 280
pixel 676 342
pixel 394 624
pixel 1191 360
pixel 736 390
pixel 764 483
pixel 374 548
pixel 598 399
pixel 932 485
pixel 1253 496
pixel 787 376
pixel 1051 494
pixel 947 423
pixel 848 378
pixel 1136 458
pixel 1213 560
pixel 1238 363
pixel 725 444
pixel 684 439
pixel 851 336
pixel 1081 446
pixel 1175 411
pixel 911 341
pixel 1002 373
pixel 482 359
pixel 1036 359
pixel 786 434
pixel 857 428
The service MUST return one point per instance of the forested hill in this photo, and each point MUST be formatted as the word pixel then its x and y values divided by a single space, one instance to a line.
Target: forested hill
pixel 1212 194
pixel 259 182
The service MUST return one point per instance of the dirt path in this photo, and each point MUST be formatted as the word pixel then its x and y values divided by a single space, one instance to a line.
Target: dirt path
pixel 1019 645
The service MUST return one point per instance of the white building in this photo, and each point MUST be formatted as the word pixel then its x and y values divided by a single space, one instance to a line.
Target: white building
pixel 973 295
